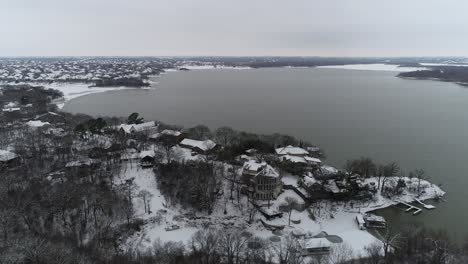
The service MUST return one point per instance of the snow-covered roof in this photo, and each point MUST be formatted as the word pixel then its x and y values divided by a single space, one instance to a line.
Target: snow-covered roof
pixel 129 128
pixel 10 105
pixel 374 218
pixel 290 150
pixel 261 168
pixel 203 145
pixel 309 180
pixel 37 123
pixel 295 159
pixel 146 153
pixel 299 159
pixel 329 169
pixel 319 242
pixel 6 155
pixel 332 187
pixel 171 132
pixel 253 165
pixel 312 160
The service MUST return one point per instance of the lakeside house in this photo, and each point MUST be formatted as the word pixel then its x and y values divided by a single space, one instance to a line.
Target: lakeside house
pixel 171 135
pixel 200 147
pixel 136 128
pixel 374 221
pixel 292 151
pixel 298 155
pixel 8 159
pixel 263 181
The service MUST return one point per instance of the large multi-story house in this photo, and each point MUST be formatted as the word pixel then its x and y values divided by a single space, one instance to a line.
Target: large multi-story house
pixel 263 181
pixel 298 155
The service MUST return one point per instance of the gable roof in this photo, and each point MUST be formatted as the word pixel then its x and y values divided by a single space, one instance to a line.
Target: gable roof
pixel 262 168
pixel 298 159
pixel 203 145
pixel 129 128
pixel 6 155
pixel 317 243
pixel 290 150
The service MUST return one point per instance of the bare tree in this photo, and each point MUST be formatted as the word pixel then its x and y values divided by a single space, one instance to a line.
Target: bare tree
pixel 225 135
pixel 340 253
pixel 421 176
pixel 387 171
pixel 233 244
pixel 363 166
pixel 390 240
pixel 290 204
pixel 288 250
pixel 204 244
pixel 374 252
pixel 146 196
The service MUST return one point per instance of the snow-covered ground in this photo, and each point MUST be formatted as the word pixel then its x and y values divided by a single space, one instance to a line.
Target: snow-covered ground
pixel 334 218
pixel 144 179
pixel 374 67
pixel 73 90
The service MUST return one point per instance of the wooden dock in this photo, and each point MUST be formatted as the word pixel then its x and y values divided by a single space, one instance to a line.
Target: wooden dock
pixel 411 207
pixel 427 206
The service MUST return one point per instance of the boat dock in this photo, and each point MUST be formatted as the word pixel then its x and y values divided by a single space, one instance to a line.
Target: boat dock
pixel 411 207
pixel 427 206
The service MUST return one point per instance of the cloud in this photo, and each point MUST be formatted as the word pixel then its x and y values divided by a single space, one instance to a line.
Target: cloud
pixel 228 27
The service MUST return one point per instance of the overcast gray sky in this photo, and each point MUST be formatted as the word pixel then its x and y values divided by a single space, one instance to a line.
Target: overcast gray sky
pixel 234 27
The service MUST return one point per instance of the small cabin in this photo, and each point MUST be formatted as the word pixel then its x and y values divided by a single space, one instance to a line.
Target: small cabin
pixel 316 246
pixel 374 221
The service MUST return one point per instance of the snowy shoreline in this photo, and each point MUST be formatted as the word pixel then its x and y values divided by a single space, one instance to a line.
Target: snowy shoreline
pixel 333 218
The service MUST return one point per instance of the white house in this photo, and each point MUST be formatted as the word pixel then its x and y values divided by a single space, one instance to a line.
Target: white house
pixel 316 246
pixel 133 128
pixel 292 151
pixel 202 147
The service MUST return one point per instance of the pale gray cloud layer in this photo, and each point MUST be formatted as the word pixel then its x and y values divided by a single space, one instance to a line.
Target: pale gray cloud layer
pixel 234 27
